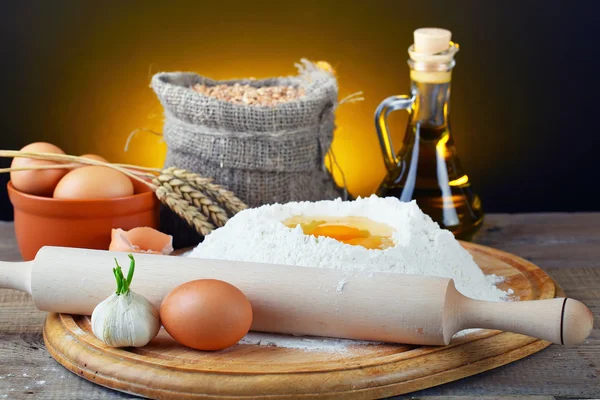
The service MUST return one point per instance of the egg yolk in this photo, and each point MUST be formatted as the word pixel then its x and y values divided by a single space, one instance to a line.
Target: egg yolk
pixel 356 231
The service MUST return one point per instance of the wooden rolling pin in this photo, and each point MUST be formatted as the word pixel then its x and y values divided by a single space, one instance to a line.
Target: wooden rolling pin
pixel 299 300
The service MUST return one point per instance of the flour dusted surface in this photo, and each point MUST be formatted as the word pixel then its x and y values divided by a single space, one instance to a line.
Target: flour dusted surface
pixel 420 246
pixel 330 345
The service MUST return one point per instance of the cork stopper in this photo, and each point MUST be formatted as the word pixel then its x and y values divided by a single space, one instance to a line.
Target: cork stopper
pixel 431 40
pixel 432 55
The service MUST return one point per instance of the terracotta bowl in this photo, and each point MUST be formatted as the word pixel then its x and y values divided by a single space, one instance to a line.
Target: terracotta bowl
pixel 44 221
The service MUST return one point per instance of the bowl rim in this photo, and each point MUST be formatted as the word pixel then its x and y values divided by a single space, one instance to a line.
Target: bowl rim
pixel 11 188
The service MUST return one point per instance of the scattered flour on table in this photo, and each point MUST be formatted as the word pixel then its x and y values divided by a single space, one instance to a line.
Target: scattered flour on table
pixel 314 343
pixel 332 345
pixel 420 247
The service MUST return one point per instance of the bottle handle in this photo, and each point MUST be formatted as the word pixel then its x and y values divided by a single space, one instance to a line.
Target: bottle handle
pixel 388 105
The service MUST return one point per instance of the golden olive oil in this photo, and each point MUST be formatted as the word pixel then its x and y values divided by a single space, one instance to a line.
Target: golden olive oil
pixel 426 168
pixel 430 173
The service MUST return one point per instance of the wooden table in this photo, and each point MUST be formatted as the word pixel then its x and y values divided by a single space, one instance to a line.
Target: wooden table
pixel 567 246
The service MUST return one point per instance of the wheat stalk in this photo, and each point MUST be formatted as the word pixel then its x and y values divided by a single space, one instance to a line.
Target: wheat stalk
pixel 185 210
pixel 38 167
pixel 188 211
pixel 196 197
pixel 75 159
pixel 219 193
pixel 186 193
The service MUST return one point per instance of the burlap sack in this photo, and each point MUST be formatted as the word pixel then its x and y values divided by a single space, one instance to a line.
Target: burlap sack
pixel 264 154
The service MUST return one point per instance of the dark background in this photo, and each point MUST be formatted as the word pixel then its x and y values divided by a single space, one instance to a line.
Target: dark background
pixel 524 97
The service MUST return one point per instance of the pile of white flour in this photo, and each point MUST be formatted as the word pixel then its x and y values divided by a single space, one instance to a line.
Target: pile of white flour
pixel 420 246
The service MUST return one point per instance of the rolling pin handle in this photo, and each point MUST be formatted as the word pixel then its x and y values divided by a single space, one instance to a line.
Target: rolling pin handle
pixel 560 321
pixel 16 275
pixel 577 322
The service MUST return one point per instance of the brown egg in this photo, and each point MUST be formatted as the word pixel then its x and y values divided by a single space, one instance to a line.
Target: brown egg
pixel 93 182
pixel 206 314
pixel 37 182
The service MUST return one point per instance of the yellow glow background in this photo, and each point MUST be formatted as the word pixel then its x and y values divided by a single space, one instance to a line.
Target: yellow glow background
pixel 76 73
pixel 91 68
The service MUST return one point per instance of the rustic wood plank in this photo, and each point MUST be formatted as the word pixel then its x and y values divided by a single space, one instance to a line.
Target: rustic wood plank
pixel 533 397
pixel 562 240
pixel 8 243
pixel 565 245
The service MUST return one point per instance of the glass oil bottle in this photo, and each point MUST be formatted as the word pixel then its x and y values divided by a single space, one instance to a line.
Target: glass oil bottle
pixel 427 168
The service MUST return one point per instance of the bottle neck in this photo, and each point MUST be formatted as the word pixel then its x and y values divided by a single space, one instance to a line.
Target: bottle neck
pixel 431 107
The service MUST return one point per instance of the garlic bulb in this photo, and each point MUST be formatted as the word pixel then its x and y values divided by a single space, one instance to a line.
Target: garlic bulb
pixel 125 318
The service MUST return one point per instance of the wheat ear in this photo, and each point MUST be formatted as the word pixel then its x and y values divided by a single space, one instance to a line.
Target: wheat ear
pixel 221 195
pixel 196 197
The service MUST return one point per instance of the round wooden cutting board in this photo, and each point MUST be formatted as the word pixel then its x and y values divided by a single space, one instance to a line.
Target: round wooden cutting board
pixel 166 370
